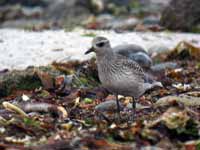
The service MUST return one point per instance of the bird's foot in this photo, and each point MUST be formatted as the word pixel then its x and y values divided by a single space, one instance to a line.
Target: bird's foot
pixel 132 115
pixel 118 118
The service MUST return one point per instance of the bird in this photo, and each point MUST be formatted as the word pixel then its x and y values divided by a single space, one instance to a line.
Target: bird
pixel 136 53
pixel 119 75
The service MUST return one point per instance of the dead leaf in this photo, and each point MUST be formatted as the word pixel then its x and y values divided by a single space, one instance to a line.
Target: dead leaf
pixel 46 79
pixel 185 50
pixel 175 118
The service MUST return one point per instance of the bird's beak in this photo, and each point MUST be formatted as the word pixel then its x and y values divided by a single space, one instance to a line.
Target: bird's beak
pixel 89 51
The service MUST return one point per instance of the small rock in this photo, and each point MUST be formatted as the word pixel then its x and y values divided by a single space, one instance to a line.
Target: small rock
pixel 163 66
pixel 151 20
pixel 151 148
pixel 183 98
pixel 107 21
pixel 28 79
pixel 25 97
pixel 181 15
pixel 15 80
pixel 98 5
pixel 120 2
pixel 28 3
pixel 109 105
pixel 32 12
pixel 104 21
pixel 105 18
pixel 138 106
pixel 127 24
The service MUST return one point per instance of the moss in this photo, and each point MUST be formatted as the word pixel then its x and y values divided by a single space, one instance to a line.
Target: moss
pixel 31 122
pixel 84 81
pixel 28 83
pixel 19 80
pixel 89 121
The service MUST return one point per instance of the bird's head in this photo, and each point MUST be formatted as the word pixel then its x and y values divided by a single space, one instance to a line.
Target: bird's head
pixel 100 45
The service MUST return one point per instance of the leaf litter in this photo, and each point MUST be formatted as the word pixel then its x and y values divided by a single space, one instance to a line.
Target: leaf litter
pixel 72 111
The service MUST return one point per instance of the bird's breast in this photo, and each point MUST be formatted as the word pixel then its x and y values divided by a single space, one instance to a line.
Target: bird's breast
pixel 118 80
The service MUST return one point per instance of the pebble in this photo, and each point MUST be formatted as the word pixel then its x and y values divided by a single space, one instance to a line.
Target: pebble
pixel 106 106
pixel 162 66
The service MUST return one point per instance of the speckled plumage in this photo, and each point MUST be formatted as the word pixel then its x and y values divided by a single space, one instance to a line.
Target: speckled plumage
pixel 118 74
pixel 121 76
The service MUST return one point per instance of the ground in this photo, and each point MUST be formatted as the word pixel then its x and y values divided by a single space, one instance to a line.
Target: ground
pixel 80 114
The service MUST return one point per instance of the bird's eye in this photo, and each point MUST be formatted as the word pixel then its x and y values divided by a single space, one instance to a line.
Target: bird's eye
pixel 100 44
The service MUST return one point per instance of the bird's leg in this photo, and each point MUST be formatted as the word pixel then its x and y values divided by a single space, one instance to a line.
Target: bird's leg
pixel 118 106
pixel 133 107
pixel 133 103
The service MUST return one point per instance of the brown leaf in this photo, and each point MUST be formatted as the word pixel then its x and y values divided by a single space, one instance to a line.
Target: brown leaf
pixel 185 50
pixel 46 79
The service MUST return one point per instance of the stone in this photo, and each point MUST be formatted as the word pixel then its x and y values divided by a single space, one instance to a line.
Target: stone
pixel 124 24
pixel 151 20
pixel 28 79
pixel 183 98
pixel 16 80
pixel 181 15
pixel 108 106
pixel 163 66
pixel 69 10
pixel 108 21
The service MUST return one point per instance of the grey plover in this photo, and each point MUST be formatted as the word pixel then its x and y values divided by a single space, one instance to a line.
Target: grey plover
pixel 118 74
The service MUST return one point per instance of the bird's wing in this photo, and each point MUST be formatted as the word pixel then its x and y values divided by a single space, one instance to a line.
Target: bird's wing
pixel 129 48
pixel 130 65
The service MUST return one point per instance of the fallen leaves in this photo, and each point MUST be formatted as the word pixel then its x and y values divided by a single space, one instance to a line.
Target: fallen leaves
pixel 185 50
pixel 14 108
pixel 68 109
pixel 174 118
pixel 46 79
